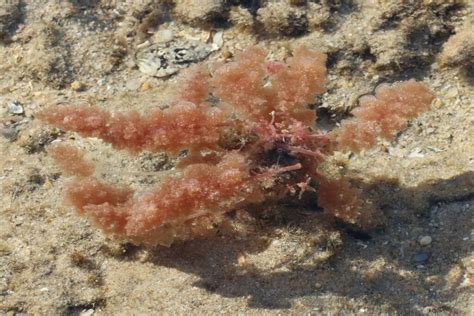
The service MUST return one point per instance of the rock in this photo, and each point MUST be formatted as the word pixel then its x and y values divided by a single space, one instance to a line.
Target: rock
pixel 35 139
pixel 459 49
pixel 241 17
pixel 422 257
pixel 165 59
pixel 77 86
pixel 15 108
pixel 163 36
pixel 146 85
pixel 132 84
pixel 10 13
pixel 87 312
pixel 425 240
pixel 10 133
pixel 280 18
pixel 199 12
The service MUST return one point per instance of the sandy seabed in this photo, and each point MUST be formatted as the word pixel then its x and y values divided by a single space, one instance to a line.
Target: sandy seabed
pixel 289 261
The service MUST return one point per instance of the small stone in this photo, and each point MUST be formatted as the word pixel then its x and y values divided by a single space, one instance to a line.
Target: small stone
pixel 47 184
pixel 433 279
pixel 430 130
pixel 425 240
pixel 15 108
pixel 146 86
pixel 416 153
pixel 163 36
pixel 422 257
pixel 459 48
pixel 10 16
pixel 77 86
pixel 217 40
pixel 5 248
pixel 133 84
pixel 10 133
pixel 226 53
pixel 87 312
pixel 165 59
pixel 452 92
pixel 199 12
pixel 242 261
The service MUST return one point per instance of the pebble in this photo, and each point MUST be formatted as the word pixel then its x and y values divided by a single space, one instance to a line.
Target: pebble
pixel 422 257
pixel 146 86
pixel 226 53
pixel 452 92
pixel 87 312
pixel 77 86
pixel 10 133
pixel 163 36
pixel 425 240
pixel 15 108
pixel 133 84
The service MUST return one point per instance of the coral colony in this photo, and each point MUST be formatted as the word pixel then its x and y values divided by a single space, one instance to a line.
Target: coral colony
pixel 258 143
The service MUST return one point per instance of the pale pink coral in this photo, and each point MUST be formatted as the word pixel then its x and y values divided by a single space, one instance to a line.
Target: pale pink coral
pixel 382 115
pixel 194 86
pixel 157 216
pixel 184 125
pixel 257 88
pixel 240 84
pixel 71 160
pixel 259 129
pixel 294 86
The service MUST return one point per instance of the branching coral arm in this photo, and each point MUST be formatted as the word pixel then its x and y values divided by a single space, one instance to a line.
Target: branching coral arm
pixel 341 200
pixel 194 85
pixel 89 195
pixel 290 87
pixel 71 160
pixel 182 126
pixel 382 115
pixel 295 84
pixel 240 83
pixel 180 208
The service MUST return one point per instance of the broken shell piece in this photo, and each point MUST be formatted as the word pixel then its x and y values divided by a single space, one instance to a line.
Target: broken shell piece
pixel 216 39
pixel 150 65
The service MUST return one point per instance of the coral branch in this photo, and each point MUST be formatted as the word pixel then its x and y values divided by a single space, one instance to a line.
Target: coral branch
pixel 240 83
pixel 194 87
pixel 89 121
pixel 158 217
pixel 182 126
pixel 296 84
pixel 71 160
pixel 382 115
pixel 340 199
pixel 84 192
pixel 291 86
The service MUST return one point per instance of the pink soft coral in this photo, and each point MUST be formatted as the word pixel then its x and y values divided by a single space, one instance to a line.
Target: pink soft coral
pixel 382 115
pixel 260 129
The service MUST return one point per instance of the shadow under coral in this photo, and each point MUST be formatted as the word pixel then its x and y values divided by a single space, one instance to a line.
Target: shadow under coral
pixel 380 267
